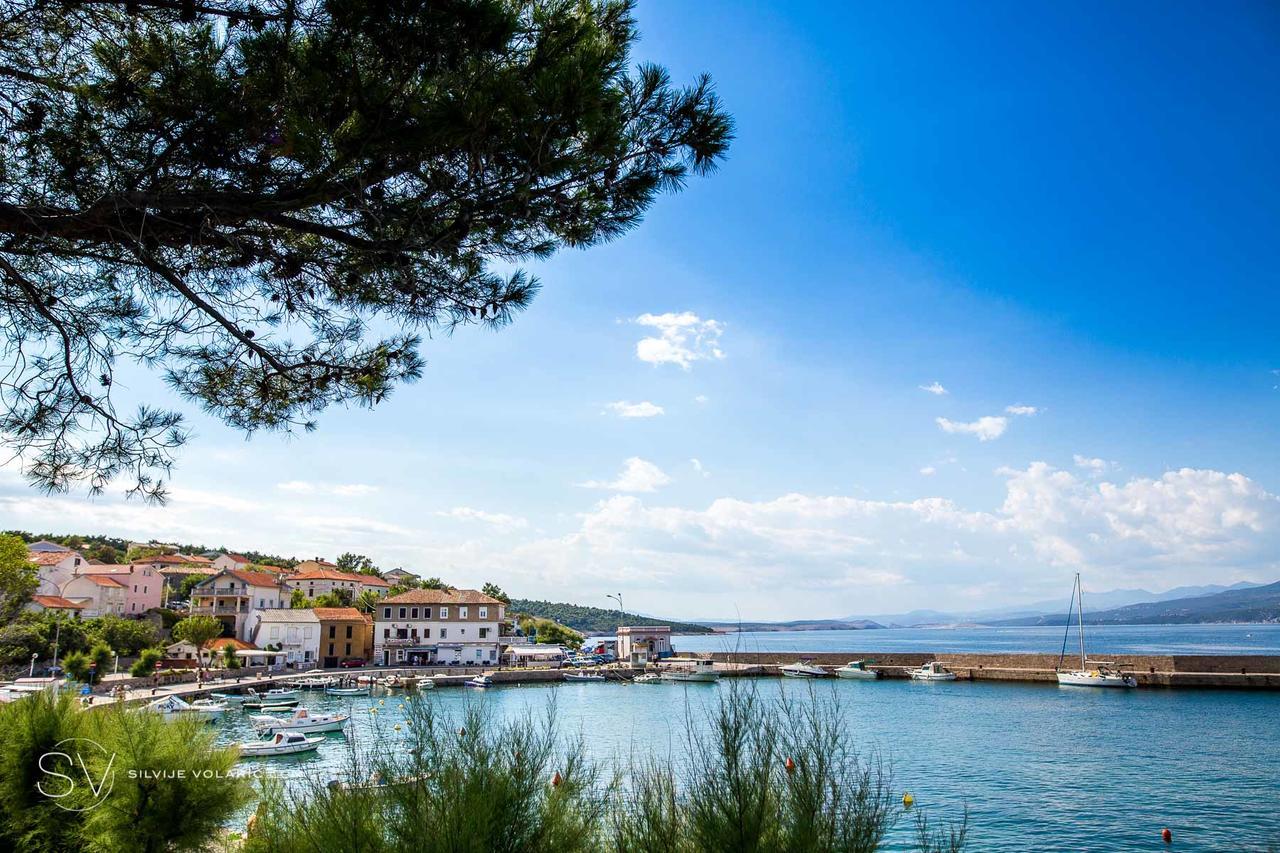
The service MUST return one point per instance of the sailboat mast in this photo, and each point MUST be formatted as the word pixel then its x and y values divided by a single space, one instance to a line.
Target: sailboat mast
pixel 1080 600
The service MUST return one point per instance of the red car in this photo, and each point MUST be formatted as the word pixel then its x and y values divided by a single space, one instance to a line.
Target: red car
pixel 352 662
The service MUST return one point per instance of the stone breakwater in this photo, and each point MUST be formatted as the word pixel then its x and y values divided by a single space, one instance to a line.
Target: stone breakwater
pixel 1229 671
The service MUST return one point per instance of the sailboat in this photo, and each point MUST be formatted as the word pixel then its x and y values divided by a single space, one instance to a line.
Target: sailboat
pixel 1092 673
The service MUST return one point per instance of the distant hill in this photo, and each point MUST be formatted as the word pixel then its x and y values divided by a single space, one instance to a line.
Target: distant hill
pixel 1250 604
pixel 595 620
pixel 799 625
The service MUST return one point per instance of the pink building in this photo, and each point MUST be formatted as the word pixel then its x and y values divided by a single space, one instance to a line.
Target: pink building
pixel 142 584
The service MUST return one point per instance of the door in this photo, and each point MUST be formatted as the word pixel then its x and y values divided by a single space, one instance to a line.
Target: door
pixel 330 662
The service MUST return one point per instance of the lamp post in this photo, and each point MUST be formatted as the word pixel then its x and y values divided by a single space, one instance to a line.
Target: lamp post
pixel 622 614
pixel 115 670
pixel 31 672
pixel 57 634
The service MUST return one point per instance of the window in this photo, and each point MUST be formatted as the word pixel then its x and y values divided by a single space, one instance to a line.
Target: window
pixel 426 633
pixel 444 632
pixel 348 651
pixel 462 613
pixel 401 612
pixel 479 654
pixel 462 632
pixel 444 613
pixel 484 632
pixel 426 613
pixel 333 631
pixel 331 649
pixel 415 613
pixel 386 613
pixel 135 587
pixel 348 632
pixel 484 613
pixel 275 632
pixel 386 633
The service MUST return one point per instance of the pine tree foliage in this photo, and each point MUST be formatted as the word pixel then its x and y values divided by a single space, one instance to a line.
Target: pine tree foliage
pixel 270 203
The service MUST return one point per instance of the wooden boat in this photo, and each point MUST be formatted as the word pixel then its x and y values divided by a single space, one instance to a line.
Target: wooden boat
pixel 346 691
pixel 302 721
pixel 1092 673
pixel 858 671
pixel 284 743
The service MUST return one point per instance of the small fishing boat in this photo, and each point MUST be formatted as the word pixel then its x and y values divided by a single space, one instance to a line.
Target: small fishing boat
pixel 698 672
pixel 275 694
pixel 173 708
pixel 286 705
pixel 227 698
pixel 480 681
pixel 803 669
pixel 347 691
pixel 302 721
pixel 584 676
pixel 284 743
pixel 1092 673
pixel 647 678
pixel 932 671
pixel 857 670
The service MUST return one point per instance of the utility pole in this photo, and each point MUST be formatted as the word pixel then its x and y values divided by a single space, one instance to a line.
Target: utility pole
pixel 57 634
pixel 622 614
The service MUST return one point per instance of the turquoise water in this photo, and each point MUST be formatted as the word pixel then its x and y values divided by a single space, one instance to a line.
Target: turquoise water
pixel 1103 639
pixel 1040 767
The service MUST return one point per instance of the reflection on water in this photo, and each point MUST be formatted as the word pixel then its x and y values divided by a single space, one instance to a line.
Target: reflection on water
pixel 1040 768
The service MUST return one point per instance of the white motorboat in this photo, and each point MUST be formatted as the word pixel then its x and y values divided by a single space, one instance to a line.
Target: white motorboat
pixel 647 678
pixel 347 691
pixel 284 743
pixel 857 669
pixel 699 672
pixel 275 694
pixel 211 706
pixel 803 669
pixel 302 721
pixel 228 698
pixel 173 708
pixel 1092 673
pixel 480 681
pixel 584 676
pixel 270 707
pixel 932 671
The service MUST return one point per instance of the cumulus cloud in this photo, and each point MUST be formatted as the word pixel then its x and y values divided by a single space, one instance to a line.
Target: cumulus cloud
pixel 342 490
pixel 934 388
pixel 1025 411
pixel 637 475
pixel 681 339
pixel 928 471
pixel 984 429
pixel 1094 466
pixel 625 409
pixel 496 519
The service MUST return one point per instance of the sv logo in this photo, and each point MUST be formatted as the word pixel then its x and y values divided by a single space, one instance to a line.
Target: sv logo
pixel 70 764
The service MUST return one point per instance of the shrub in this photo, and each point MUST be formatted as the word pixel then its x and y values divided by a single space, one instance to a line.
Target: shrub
pixel 146 663
pixel 76 665
pixel 102 656
pixel 126 636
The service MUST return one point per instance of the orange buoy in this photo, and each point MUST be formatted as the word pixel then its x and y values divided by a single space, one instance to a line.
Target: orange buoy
pixel 556 780
pixel 1166 835
pixel 790 765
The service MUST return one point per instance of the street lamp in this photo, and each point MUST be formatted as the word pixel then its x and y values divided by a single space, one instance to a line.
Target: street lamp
pixel 622 614
pixel 31 672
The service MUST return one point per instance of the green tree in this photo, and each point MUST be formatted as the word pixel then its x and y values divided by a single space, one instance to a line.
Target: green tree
pixel 126 636
pixel 101 656
pixel 145 665
pixel 297 598
pixel 433 583
pixel 198 630
pixel 76 665
pixel 19 578
pixel 243 195
pixel 229 658
pixel 548 631
pixel 494 591
pixel 189 583
pixel 21 639
pixel 367 601
pixel 358 563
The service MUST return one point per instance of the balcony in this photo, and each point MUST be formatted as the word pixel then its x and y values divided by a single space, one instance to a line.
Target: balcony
pixel 219 610
pixel 401 641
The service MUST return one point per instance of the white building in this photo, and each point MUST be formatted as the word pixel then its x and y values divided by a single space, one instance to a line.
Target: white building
pixel 295 632
pixel 56 567
pixel 640 644
pixel 235 596
pixel 321 580
pixel 98 594
pixel 230 561
pixel 436 626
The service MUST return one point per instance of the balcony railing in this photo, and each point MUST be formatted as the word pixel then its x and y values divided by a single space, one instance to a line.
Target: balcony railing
pixel 219 610
pixel 401 641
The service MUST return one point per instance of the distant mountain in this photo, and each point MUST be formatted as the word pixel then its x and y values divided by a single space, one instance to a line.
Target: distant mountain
pixel 1251 603
pixel 595 620
pixel 799 625
pixel 1093 602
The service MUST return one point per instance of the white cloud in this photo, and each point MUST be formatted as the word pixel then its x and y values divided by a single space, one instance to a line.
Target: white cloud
pixel 342 490
pixel 984 429
pixel 928 471
pixel 697 466
pixel 700 399
pixel 637 475
pixel 644 409
pixel 934 388
pixel 496 519
pixel 682 339
pixel 1027 411
pixel 1094 466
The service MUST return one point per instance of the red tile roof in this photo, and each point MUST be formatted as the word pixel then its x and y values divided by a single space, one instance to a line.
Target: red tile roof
pixel 221 643
pixel 373 580
pixel 240 558
pixel 49 558
pixel 163 560
pixel 338 613
pixel 56 602
pixel 103 580
pixel 441 596
pixel 253 578
pixel 324 575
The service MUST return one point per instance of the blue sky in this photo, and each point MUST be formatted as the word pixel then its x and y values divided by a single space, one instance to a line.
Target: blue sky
pixel 1065 209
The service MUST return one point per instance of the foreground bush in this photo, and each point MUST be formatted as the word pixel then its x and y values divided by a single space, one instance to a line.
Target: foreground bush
pixel 768 777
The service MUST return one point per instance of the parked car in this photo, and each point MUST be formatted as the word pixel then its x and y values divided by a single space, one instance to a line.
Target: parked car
pixel 352 663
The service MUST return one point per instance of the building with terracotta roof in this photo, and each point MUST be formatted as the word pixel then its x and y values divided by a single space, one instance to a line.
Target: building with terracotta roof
pixel 432 626
pixel 317 580
pixel 55 568
pixel 99 594
pixel 142 582
pixel 234 597
pixel 231 561
pixel 41 603
pixel 345 634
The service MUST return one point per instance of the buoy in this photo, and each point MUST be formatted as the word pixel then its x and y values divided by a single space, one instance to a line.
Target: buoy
pixel 908 800
pixel 790 765
pixel 1166 836
pixel 373 710
pixel 556 780
pixel 397 727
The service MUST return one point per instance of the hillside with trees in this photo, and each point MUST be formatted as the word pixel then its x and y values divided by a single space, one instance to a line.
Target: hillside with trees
pixel 1255 604
pixel 595 620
